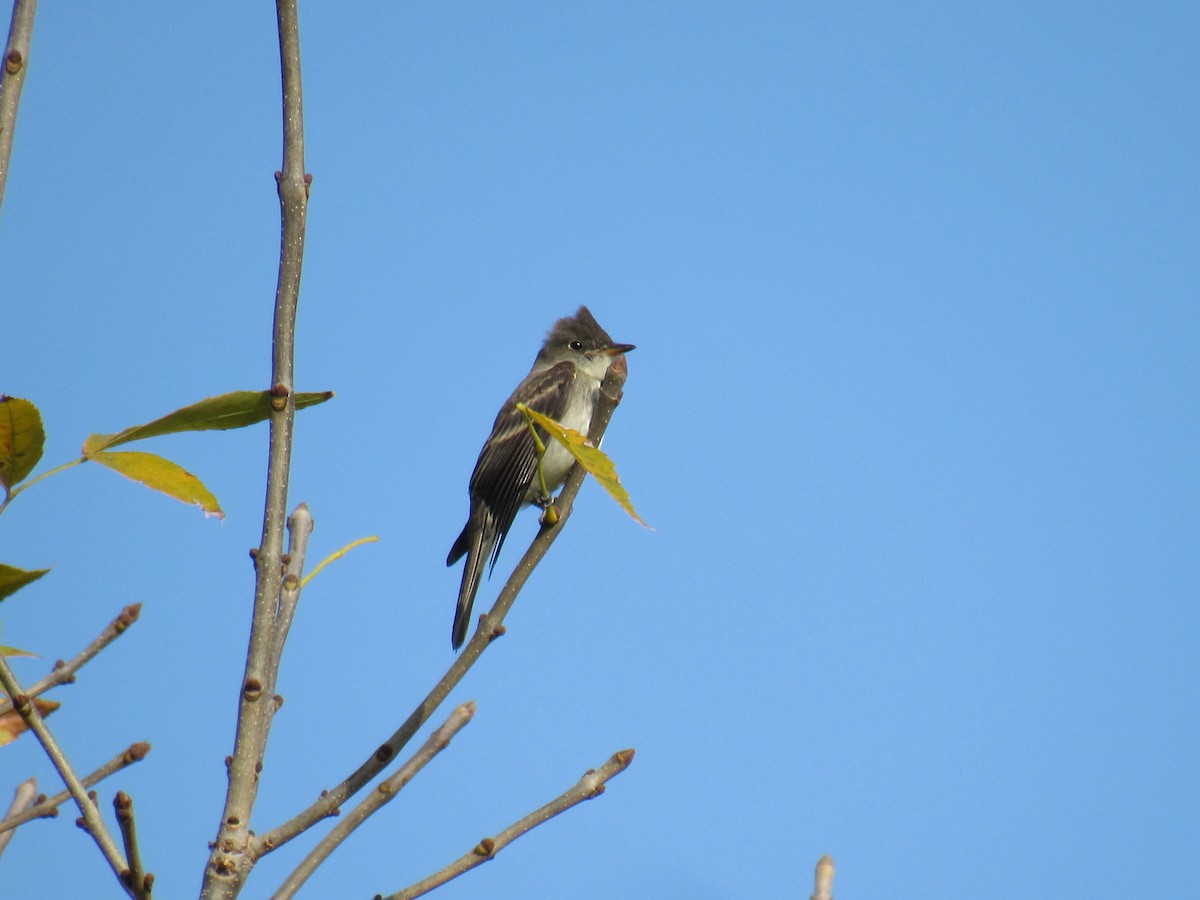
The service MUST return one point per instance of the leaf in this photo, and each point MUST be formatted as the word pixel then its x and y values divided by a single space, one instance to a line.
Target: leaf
pixel 161 475
pixel 21 439
pixel 13 579
pixel 13 651
pixel 236 409
pixel 12 725
pixel 594 460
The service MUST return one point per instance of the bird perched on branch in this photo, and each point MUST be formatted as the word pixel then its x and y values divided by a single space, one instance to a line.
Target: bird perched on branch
pixel 563 384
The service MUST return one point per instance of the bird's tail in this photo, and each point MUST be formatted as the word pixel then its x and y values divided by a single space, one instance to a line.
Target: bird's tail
pixel 477 540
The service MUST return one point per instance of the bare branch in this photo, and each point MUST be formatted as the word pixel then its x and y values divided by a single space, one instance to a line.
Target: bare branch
pixel 135 878
pixel 491 625
pixel 16 63
pixel 23 797
pixel 47 807
pixel 592 784
pixel 92 822
pixel 824 881
pixel 64 672
pixel 229 862
pixel 375 800
pixel 300 526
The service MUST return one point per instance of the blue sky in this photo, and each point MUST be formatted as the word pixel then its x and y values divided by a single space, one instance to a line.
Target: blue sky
pixel 915 292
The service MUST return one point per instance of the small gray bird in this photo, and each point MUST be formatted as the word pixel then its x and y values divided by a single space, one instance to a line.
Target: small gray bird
pixel 563 384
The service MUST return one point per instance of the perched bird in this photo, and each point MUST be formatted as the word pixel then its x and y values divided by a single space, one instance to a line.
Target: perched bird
pixel 563 384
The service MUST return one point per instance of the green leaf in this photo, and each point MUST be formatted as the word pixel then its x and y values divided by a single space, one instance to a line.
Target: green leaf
pixel 594 460
pixel 236 409
pixel 13 651
pixel 13 579
pixel 21 439
pixel 161 475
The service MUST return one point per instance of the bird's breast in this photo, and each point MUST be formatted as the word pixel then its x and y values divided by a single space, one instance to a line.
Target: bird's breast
pixel 578 417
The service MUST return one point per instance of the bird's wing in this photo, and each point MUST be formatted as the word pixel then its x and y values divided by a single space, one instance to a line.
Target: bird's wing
pixel 508 462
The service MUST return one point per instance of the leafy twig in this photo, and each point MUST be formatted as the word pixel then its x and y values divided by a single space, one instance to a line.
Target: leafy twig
pixel 47 807
pixel 375 800
pixel 64 672
pixel 491 626
pixel 592 784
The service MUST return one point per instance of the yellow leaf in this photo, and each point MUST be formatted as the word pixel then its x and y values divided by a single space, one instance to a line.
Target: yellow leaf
pixel 594 460
pixel 236 409
pixel 13 651
pixel 13 579
pixel 21 439
pixel 161 475
pixel 12 725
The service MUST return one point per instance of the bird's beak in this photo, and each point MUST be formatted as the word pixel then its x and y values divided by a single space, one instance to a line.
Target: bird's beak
pixel 618 349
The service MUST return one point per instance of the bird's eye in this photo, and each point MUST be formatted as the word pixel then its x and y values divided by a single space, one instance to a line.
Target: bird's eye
pixel 576 345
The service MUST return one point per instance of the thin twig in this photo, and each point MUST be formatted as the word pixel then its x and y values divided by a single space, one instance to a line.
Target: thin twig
pixel 300 526
pixel 93 824
pixel 48 807
pixel 64 672
pixel 135 876
pixel 12 79
pixel 330 801
pixel 23 797
pixel 384 792
pixel 229 862
pixel 824 879
pixel 589 786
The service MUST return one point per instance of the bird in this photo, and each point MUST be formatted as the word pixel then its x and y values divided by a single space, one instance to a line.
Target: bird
pixel 563 384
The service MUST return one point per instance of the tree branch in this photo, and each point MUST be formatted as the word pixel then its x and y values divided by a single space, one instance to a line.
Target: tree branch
pixel 92 822
pixel 48 807
pixel 491 626
pixel 135 878
pixel 300 526
pixel 824 880
pixel 64 672
pixel 386 791
pixel 16 63
pixel 24 797
pixel 592 784
pixel 230 862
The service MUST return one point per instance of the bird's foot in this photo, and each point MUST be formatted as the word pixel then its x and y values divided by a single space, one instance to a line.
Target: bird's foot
pixel 550 514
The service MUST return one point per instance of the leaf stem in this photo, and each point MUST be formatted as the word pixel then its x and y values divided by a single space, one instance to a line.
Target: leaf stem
pixel 12 494
pixel 541 450
pixel 336 555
